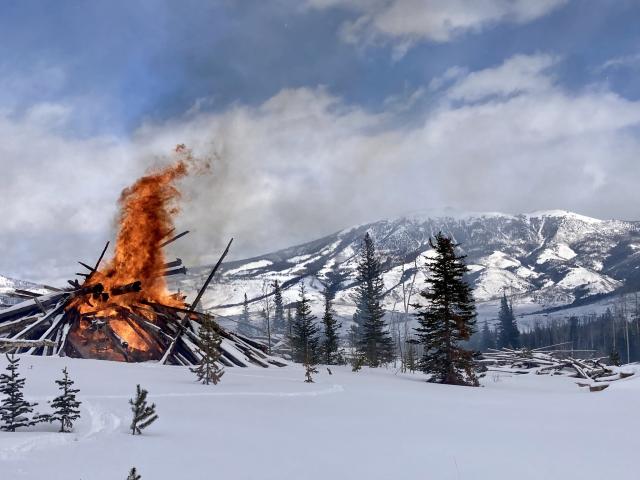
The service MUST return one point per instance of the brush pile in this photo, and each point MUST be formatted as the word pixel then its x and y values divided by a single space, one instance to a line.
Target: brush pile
pixel 593 371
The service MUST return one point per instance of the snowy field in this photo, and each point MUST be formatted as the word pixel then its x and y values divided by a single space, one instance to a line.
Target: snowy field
pixel 267 424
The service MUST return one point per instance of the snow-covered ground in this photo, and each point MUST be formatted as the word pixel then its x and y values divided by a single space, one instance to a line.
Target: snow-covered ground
pixel 267 424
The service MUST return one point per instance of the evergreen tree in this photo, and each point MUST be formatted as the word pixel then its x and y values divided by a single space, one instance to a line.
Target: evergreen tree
pixel 278 313
pixel 14 409
pixel 508 334
pixel 304 331
pixel 143 414
pixel 614 358
pixel 487 339
pixel 244 326
pixel 309 370
pixel 447 318
pixel 133 474
pixel 66 409
pixel 411 360
pixel 331 326
pixel 373 340
pixel 208 370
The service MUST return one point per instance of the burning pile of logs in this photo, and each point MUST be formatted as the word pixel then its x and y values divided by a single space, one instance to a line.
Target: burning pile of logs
pixel 123 310
pixel 139 330
pixel 595 374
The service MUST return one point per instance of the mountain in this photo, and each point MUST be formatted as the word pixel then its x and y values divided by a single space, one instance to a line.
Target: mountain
pixel 544 260
pixel 9 285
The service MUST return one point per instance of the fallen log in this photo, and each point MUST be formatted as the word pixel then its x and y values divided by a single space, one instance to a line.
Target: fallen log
pixel 12 343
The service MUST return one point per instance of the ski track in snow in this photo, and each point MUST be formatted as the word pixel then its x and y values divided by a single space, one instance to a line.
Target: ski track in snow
pixel 314 393
pixel 104 423
pixel 101 423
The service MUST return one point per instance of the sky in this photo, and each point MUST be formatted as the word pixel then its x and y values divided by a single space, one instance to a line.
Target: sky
pixel 316 115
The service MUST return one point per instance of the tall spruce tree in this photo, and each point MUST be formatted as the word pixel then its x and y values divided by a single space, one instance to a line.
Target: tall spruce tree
pixel 508 334
pixel 244 326
pixel 66 408
pixel 330 342
pixel 373 340
pixel 304 331
pixel 14 409
pixel 208 371
pixel 278 310
pixel 447 318
pixel 143 414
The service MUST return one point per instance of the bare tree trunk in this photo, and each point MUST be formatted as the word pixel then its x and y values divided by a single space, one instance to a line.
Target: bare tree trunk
pixel 267 301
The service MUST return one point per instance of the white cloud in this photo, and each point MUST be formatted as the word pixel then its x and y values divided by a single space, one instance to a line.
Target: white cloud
pixel 624 61
pixel 519 74
pixel 407 21
pixel 305 163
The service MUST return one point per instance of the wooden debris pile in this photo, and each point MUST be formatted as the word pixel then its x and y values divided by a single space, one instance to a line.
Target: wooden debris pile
pixel 592 371
pixel 132 331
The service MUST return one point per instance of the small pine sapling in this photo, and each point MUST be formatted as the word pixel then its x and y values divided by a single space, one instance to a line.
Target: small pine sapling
pixel 66 409
pixel 310 369
pixel 143 414
pixel 358 362
pixel 13 408
pixel 208 371
pixel 133 474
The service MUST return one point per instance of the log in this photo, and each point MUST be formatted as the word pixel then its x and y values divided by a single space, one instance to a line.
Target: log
pixel 598 388
pixel 27 293
pixel 173 239
pixel 128 288
pixel 176 271
pixel 104 250
pixel 88 267
pixel 176 263
pixel 16 325
pixel 194 305
pixel 12 343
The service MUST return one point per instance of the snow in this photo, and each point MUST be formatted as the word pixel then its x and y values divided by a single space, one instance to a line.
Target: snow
pixel 557 252
pixel 564 214
pixel 250 266
pixel 268 424
pixel 500 260
pixel 597 283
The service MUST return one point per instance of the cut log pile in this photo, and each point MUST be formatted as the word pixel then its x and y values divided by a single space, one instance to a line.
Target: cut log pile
pixel 593 372
pixel 51 324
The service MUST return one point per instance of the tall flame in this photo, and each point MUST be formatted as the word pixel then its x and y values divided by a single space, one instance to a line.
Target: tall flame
pixel 146 219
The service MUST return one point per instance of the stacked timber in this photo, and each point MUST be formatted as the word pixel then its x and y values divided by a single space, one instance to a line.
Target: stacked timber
pixel 593 372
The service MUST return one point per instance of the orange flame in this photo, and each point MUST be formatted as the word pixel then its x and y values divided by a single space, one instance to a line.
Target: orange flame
pixel 146 219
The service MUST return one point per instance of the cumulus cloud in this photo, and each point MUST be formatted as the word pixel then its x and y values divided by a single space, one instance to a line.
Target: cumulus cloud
pixel 306 163
pixel 405 22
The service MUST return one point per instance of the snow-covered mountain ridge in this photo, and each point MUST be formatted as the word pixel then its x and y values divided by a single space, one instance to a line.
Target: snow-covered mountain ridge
pixel 9 285
pixel 543 259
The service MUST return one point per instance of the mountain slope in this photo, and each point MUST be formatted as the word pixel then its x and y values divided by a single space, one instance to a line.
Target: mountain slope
pixel 544 260
pixel 9 285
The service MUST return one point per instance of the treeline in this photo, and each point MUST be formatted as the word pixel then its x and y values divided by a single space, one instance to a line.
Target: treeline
pixel 614 333
pixel 445 313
